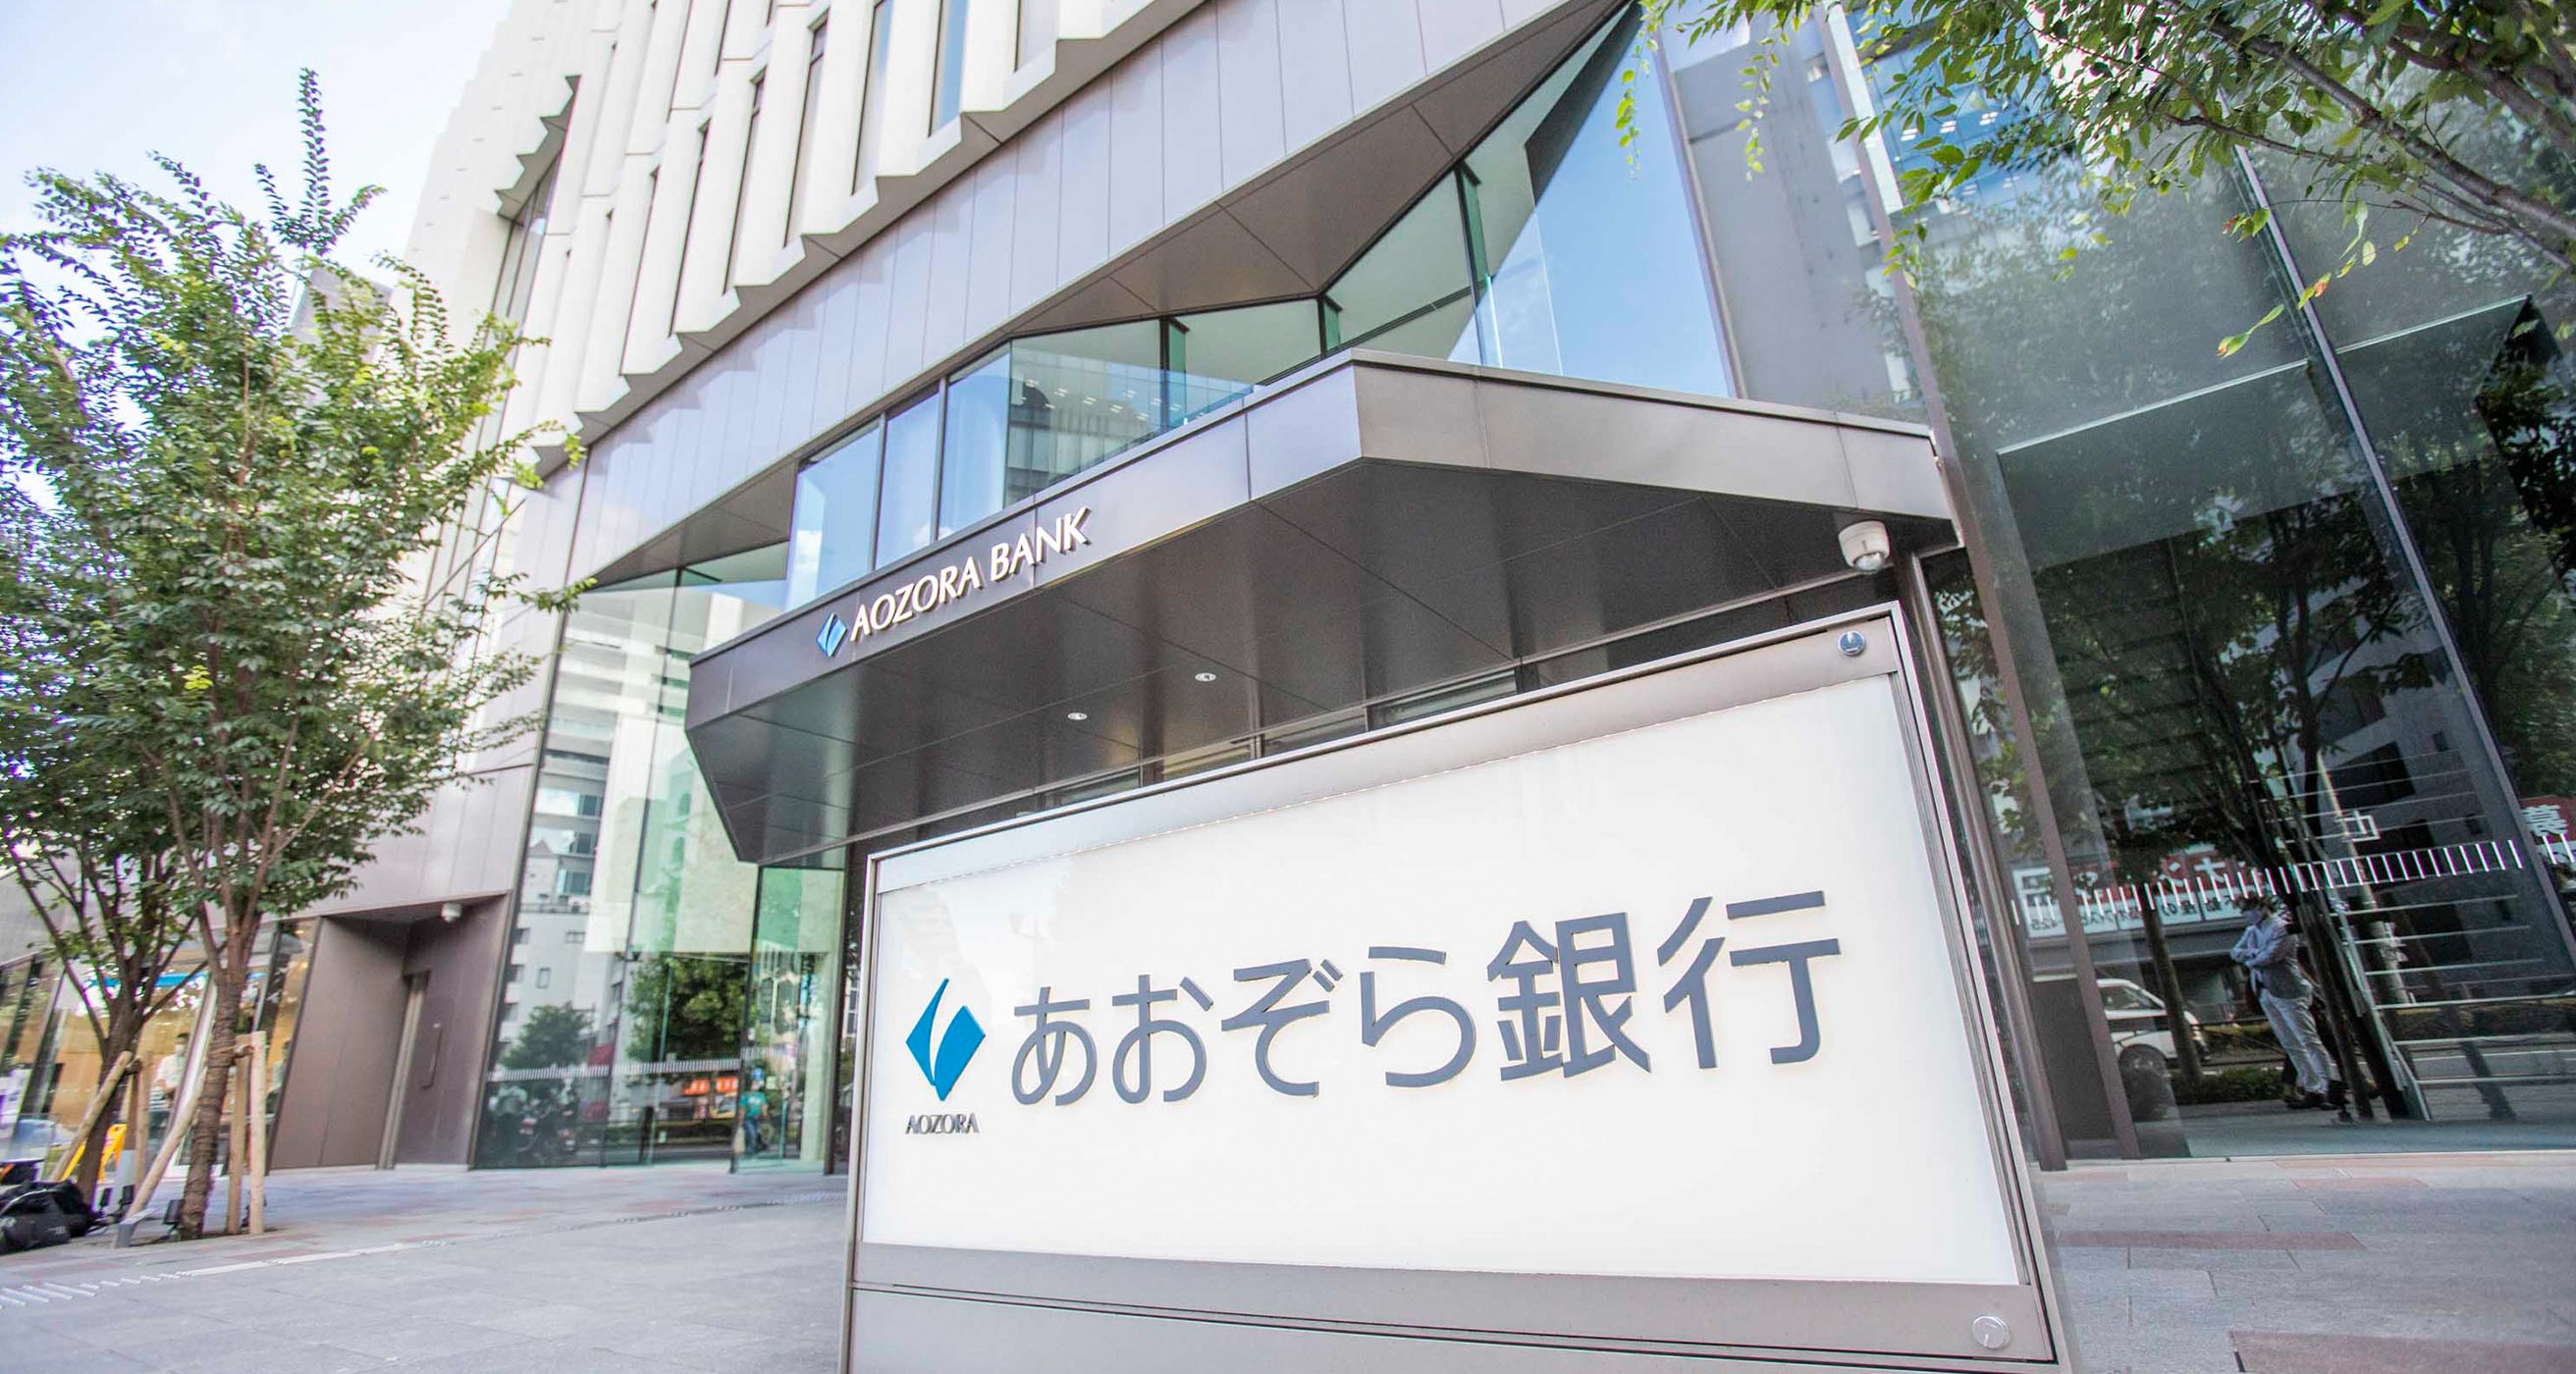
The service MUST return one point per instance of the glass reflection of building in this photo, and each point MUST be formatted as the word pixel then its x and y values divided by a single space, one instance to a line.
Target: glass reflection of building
pixel 2285 625
pixel 2288 623
pixel 46 1034
pixel 643 950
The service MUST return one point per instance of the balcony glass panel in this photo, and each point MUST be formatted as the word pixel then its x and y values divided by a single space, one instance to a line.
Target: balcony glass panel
pixel 1077 398
pixel 1222 354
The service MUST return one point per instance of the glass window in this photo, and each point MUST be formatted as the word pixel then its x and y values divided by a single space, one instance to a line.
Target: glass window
pixel 1222 354
pixel 835 524
pixel 1434 702
pixel 1592 264
pixel 949 80
pixel 908 508
pixel 1314 730
pixel 872 99
pixel 546 1099
pixel 787 1101
pixel 1077 398
pixel 970 453
pixel 633 890
pixel 1411 291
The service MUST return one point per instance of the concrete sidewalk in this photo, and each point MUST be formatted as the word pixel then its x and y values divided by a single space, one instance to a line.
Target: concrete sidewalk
pixel 2456 1263
pixel 2461 1264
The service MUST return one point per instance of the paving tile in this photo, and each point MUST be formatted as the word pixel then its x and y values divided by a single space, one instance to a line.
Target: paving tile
pixel 2210 1240
pixel 88 1362
pixel 2281 1352
pixel 2206 1261
pixel 549 1357
pixel 249 1352
pixel 2159 1262
pixel 413 1338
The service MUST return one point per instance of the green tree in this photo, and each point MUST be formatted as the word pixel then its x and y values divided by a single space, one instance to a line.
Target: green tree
pixel 554 1037
pixel 2368 104
pixel 260 443
pixel 682 1007
pixel 96 867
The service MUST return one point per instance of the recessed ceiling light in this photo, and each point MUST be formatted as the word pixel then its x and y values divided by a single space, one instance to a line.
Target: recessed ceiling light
pixel 1204 677
pixel 1077 715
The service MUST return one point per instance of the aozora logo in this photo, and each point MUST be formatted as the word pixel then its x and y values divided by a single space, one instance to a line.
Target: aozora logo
pixel 942 1064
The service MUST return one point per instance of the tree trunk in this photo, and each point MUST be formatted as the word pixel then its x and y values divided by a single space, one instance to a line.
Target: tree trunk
pixel 2169 987
pixel 205 1134
pixel 120 1038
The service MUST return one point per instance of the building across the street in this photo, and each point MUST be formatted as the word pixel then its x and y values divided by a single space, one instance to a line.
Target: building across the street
pixel 989 406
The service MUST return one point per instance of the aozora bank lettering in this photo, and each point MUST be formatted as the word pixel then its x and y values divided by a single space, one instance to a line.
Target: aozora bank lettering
pixel 1563 1004
pixel 956 581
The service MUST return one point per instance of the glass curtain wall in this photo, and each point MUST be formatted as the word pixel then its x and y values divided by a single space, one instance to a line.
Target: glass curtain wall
pixel 2452 353
pixel 790 1035
pixel 2253 681
pixel 49 1038
pixel 1550 248
pixel 620 1041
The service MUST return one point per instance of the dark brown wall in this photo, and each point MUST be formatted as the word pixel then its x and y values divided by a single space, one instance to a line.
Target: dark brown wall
pixel 333 1108
pixel 447 1060
pixel 340 1074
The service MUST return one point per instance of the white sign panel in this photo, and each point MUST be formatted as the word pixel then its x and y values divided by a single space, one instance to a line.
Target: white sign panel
pixel 1675 1002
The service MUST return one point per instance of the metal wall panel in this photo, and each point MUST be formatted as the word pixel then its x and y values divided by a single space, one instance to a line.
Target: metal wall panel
pixel 952 249
pixel 1193 155
pixel 909 308
pixel 1385 39
pixel 1251 121
pixel 1135 153
pixel 1082 209
pixel 1314 72
pixel 1453 28
pixel 988 269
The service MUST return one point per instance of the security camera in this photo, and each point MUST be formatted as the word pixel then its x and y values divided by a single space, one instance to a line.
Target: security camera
pixel 451 912
pixel 1866 545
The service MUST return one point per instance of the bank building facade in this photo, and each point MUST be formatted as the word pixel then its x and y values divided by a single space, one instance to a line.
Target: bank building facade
pixel 996 410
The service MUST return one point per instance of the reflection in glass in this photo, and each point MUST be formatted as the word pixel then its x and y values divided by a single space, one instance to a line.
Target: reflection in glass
pixel 970 454
pixel 1222 354
pixel 835 521
pixel 633 918
pixel 908 508
pixel 1825 334
pixel 1591 264
pixel 786 1112
pixel 948 79
pixel 1412 291
pixel 546 1091
pixel 1078 397
pixel 2458 371
pixel 2239 688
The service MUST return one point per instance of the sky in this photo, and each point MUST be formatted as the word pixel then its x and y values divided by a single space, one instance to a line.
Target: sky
pixel 99 85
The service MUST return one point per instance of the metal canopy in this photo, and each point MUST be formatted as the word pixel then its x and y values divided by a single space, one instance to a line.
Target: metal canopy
pixel 1366 528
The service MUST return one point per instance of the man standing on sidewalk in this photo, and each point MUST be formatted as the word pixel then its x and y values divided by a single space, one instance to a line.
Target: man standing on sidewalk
pixel 2269 950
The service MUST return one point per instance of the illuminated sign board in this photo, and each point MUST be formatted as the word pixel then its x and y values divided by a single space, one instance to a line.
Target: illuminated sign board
pixel 1665 998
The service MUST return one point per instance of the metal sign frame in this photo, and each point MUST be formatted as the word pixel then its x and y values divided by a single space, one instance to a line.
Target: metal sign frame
pixel 1094 1311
